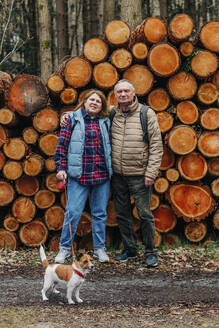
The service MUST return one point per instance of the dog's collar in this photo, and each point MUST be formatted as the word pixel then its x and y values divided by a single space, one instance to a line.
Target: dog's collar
pixel 78 273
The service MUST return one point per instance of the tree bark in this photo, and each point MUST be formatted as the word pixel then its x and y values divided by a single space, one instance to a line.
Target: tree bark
pixel 44 26
pixel 131 12
pixel 61 23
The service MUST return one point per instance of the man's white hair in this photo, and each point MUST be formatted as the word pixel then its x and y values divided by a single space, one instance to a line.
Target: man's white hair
pixel 122 81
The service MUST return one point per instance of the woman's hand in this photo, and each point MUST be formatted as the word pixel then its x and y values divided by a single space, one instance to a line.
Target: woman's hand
pixel 64 119
pixel 61 175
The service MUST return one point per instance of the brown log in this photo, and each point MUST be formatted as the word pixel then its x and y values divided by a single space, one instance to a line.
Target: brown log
pixel 192 202
pixel 158 99
pixel 171 240
pixel 182 86
pixel 192 167
pixel 50 164
pixel 23 209
pixel 215 79
pixel 33 164
pixel 155 202
pixel 111 99
pixel 213 166
pixel 53 245
pixel 186 48
pixel 27 94
pixel 121 59
pixel 204 64
pixel 210 119
pixel 12 170
pixel 141 78
pixel 208 144
pixel 86 242
pixel 2 160
pixel 8 239
pixel 207 93
pixel 163 59
pixel 4 134
pixel 209 36
pixel 27 185
pixel 55 83
pixel 96 50
pixel 168 159
pixel 5 81
pixel 151 30
pixel 136 224
pixel 215 187
pixel 30 135
pixel 44 198
pixel 187 112
pixel 48 143
pixel 46 120
pixel 172 175
pixel 8 117
pixel 182 139
pixel 195 231
pixel 105 75
pixel 117 33
pixel 180 27
pixel 161 185
pixel 77 72
pixel 139 51
pixel 52 182
pixel 68 96
pixel 165 121
pixel 54 217
pixel 84 225
pixel 165 219
pixel 33 233
pixel 6 193
pixel 10 223
pixel 157 239
pixel 15 148
pixel 111 214
pixel 216 220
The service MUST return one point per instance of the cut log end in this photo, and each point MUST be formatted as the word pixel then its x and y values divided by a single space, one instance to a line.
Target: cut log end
pixel 33 234
pixel 195 231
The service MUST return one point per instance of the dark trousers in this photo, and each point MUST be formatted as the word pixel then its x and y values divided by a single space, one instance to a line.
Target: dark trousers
pixel 123 187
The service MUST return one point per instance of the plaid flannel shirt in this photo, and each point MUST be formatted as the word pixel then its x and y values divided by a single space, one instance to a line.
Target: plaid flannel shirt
pixel 94 169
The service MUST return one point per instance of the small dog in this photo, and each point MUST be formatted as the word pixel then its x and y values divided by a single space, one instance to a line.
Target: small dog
pixel 67 276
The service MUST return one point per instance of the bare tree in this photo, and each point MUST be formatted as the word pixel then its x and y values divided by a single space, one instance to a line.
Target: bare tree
pixel 131 12
pixel 44 24
pixel 75 26
pixel 61 23
pixel 109 11
pixel 163 9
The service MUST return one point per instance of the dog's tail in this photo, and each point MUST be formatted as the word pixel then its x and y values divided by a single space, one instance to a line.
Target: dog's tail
pixel 43 257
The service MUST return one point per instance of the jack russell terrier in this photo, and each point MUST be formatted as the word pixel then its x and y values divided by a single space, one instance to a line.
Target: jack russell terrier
pixel 67 276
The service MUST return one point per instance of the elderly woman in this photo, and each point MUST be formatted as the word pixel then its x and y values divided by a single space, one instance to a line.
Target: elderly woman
pixel 83 155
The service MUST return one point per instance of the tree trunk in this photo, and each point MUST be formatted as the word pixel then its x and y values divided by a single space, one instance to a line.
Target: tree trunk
pixel 44 26
pixel 109 11
pixel 61 23
pixel 131 12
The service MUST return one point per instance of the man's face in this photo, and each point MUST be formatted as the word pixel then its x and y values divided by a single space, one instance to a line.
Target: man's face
pixel 124 93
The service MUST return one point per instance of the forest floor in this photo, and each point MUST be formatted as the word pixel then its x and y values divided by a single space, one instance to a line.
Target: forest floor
pixel 182 292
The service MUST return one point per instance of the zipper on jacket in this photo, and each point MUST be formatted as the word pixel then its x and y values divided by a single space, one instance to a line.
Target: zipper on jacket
pixel 123 142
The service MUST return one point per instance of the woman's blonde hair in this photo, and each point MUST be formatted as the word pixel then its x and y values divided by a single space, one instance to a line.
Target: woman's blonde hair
pixel 104 111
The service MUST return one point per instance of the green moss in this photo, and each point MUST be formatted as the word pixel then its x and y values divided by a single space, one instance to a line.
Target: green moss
pixel 45 44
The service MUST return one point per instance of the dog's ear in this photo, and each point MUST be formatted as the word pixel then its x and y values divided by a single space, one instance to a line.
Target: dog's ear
pixel 80 253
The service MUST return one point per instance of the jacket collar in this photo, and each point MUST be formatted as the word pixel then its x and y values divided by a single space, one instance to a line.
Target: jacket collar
pixel 132 107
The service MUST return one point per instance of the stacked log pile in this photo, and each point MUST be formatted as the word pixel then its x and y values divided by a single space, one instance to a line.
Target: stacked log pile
pixel 175 71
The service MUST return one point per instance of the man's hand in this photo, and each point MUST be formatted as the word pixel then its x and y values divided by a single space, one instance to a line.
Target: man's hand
pixel 61 175
pixel 64 119
pixel 148 181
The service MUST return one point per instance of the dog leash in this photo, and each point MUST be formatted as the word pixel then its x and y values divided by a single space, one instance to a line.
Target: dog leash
pixel 62 185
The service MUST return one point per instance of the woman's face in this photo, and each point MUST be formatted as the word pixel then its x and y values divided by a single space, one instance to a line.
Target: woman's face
pixel 93 104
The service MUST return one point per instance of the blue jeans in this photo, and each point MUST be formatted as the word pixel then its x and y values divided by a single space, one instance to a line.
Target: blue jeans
pixel 77 196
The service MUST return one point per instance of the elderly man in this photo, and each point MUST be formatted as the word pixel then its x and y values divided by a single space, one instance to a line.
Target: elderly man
pixel 135 166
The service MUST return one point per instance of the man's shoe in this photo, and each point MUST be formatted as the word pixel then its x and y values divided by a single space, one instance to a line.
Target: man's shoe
pixel 151 260
pixel 62 255
pixel 126 254
pixel 100 255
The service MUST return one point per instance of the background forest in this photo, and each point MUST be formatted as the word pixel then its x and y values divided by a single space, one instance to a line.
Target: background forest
pixel 36 35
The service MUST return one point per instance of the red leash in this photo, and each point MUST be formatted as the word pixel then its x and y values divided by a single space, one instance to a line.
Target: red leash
pixel 62 185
